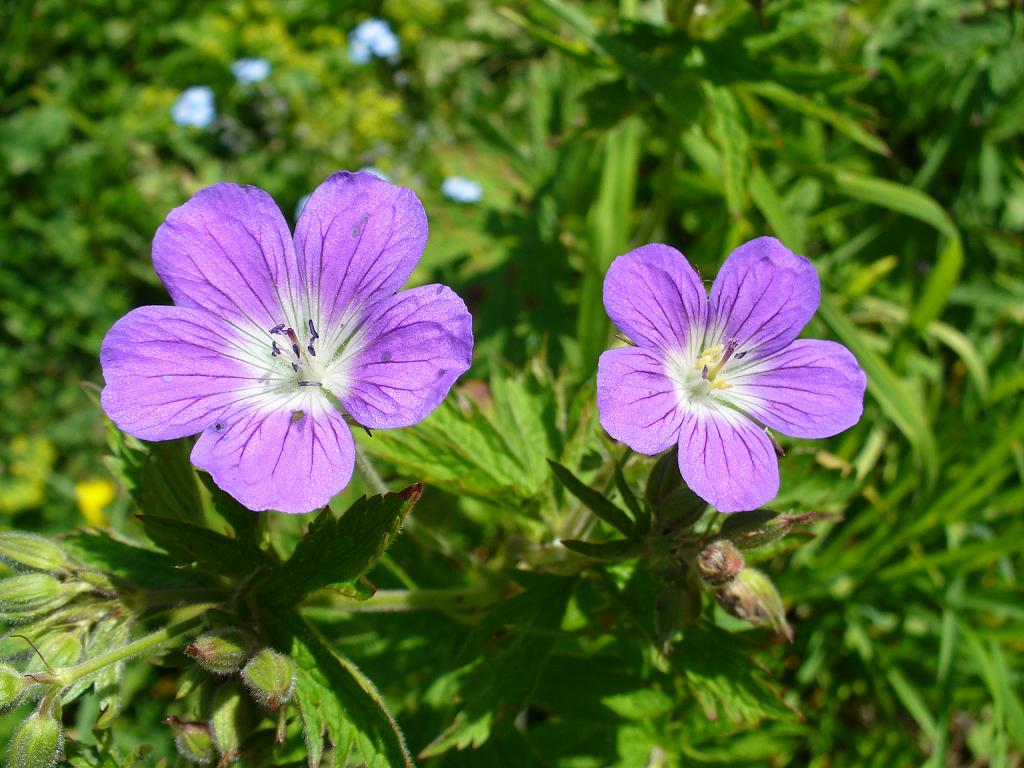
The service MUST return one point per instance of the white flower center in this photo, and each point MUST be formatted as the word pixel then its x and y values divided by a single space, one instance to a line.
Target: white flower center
pixel 698 379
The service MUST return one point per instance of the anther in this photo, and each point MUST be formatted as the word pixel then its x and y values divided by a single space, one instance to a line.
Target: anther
pixel 729 349
pixel 310 384
pixel 311 350
pixel 295 367
pixel 274 349
pixel 279 328
pixel 741 355
pixel 295 351
pixel 704 373
pixel 313 335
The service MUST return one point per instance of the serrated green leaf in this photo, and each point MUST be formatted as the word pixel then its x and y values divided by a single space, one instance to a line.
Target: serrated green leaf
pixel 335 698
pixel 210 551
pixel 724 679
pixel 593 500
pixel 144 567
pixel 337 551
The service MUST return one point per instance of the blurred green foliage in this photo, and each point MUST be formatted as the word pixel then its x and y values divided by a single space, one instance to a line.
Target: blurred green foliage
pixel 882 139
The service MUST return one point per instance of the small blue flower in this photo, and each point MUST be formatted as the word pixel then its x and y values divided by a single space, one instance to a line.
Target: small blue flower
pixel 248 71
pixel 370 38
pixel 300 205
pixel 376 172
pixel 462 190
pixel 194 107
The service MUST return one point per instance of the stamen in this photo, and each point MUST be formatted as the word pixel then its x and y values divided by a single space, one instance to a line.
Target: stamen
pixel 277 328
pixel 775 444
pixel 704 373
pixel 274 349
pixel 311 350
pixel 310 384
pixel 295 367
pixel 296 352
pixel 624 340
pixel 729 349
pixel 741 355
pixel 313 335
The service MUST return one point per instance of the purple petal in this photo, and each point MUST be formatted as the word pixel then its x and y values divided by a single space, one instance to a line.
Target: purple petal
pixel 358 239
pixel 763 297
pixel 637 402
pixel 656 298
pixel 279 458
pixel 171 371
pixel 727 460
pixel 412 348
pixel 228 250
pixel 811 388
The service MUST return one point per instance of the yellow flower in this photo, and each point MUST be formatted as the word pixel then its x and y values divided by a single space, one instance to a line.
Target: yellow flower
pixel 94 496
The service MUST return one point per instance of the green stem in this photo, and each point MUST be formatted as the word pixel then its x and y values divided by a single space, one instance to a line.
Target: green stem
pixel 151 642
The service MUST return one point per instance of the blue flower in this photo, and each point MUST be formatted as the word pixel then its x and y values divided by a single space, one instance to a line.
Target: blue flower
pixel 248 71
pixel 194 107
pixel 462 190
pixel 372 37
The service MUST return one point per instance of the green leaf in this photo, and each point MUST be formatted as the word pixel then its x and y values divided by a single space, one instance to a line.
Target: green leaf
pixel 142 566
pixel 734 145
pixel 618 549
pixel 641 514
pixel 338 551
pixel 243 521
pixel 496 456
pixel 846 125
pixel 899 405
pixel 914 203
pixel 593 500
pixel 210 551
pixel 767 199
pixel 335 698
pixel 724 679
pixel 517 638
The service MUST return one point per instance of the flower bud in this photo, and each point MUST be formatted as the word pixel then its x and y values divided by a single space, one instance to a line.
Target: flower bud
pixel 38 742
pixel 227 722
pixel 29 594
pixel 12 686
pixel 751 596
pixel 193 742
pixel 222 651
pixel 674 504
pixel 270 678
pixel 750 530
pixel 27 550
pixel 719 562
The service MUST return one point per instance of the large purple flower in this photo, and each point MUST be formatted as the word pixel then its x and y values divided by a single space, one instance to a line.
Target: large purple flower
pixel 272 341
pixel 704 375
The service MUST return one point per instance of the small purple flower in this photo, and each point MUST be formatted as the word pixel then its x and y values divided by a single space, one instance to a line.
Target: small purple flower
pixel 194 107
pixel 249 71
pixel 273 342
pixel 704 374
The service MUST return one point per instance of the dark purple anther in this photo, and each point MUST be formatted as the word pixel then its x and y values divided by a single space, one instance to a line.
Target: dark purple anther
pixel 704 373
pixel 311 351
pixel 274 349
pixel 295 351
pixel 295 367
pixel 277 328
pixel 313 335
pixel 730 347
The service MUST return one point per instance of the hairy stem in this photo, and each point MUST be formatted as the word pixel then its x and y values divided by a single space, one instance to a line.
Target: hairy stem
pixel 147 644
pixel 370 475
pixel 400 600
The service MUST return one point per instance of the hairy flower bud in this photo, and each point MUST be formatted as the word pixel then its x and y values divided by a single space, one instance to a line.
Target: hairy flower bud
pixel 270 678
pixel 719 562
pixel 751 596
pixel 27 550
pixel 12 687
pixel 228 722
pixel 39 740
pixel 750 530
pixel 27 595
pixel 194 742
pixel 222 651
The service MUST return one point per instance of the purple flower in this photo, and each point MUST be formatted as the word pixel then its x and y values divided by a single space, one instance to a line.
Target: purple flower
pixel 271 343
pixel 705 375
